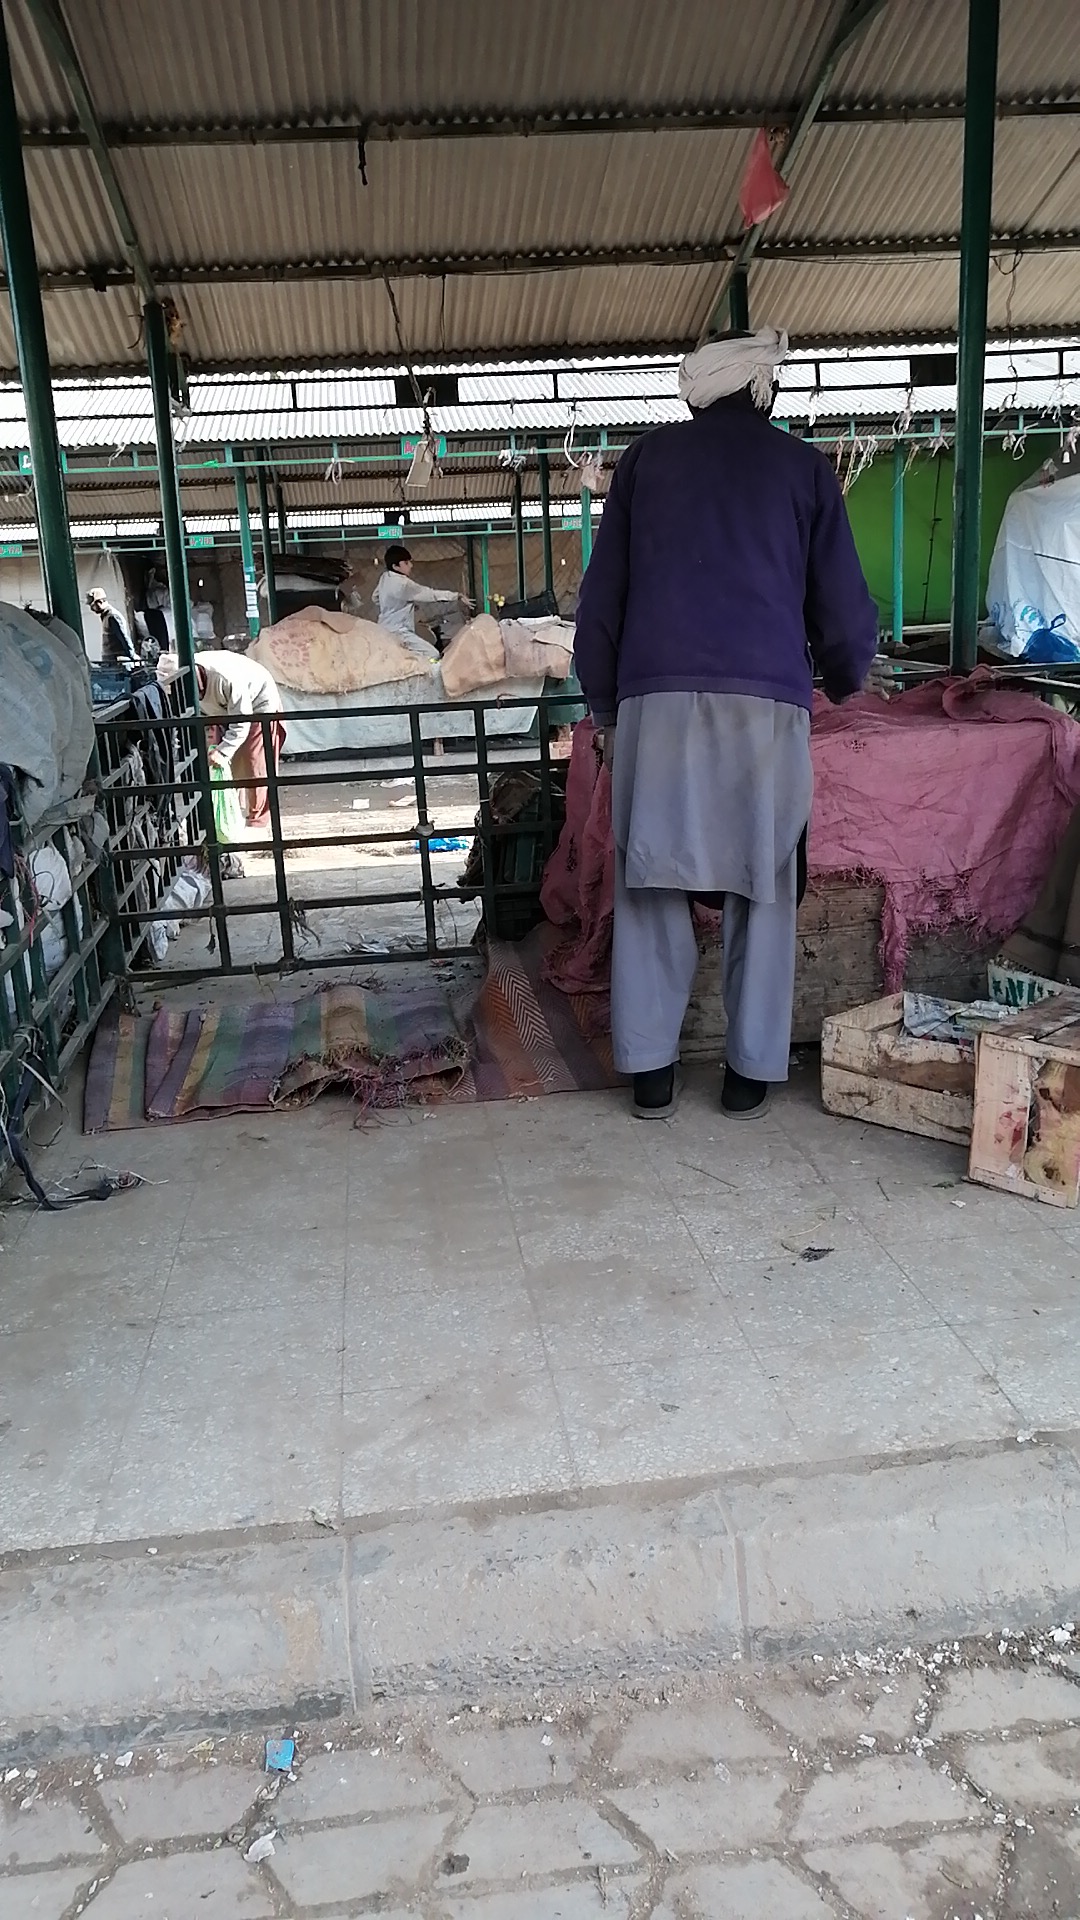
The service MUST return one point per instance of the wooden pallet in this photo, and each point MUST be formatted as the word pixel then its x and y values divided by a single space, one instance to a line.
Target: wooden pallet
pixel 872 1070
pixel 1026 1133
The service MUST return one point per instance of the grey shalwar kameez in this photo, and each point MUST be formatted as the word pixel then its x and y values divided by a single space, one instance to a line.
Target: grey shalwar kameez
pixel 710 795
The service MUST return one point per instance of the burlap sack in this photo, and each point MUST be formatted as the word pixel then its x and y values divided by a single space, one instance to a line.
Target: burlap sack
pixel 475 658
pixel 315 651
pixel 535 650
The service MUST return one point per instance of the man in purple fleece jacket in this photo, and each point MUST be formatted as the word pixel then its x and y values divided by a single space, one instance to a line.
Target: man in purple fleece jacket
pixel 724 574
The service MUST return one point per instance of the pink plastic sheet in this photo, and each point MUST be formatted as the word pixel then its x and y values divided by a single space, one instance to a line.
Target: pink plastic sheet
pixel 953 796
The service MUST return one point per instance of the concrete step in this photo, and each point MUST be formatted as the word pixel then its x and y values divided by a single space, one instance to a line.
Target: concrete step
pixel 153 1635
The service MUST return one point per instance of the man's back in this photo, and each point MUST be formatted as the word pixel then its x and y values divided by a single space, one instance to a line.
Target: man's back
pixel 725 563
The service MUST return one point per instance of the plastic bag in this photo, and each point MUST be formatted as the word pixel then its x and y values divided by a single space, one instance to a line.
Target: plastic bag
pixel 762 190
pixel 228 813
pixel 1034 586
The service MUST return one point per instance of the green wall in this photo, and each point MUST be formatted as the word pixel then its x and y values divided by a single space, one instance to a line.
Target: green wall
pixel 928 486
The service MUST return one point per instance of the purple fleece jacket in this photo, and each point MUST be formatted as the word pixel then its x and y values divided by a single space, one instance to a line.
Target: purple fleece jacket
pixel 724 563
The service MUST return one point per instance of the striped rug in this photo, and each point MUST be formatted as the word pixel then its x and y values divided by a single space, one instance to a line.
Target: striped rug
pixel 394 1046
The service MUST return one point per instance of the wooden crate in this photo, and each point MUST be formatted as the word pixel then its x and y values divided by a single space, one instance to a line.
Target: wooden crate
pixel 1026 1135
pixel 838 965
pixel 872 1070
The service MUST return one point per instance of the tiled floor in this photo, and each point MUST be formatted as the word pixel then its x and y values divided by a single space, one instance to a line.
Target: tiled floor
pixel 497 1302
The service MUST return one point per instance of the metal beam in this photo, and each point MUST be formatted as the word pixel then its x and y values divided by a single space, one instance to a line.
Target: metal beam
pixel 168 479
pixel 56 37
pixel 667 345
pixel 31 346
pixel 450 266
pixel 586 527
pixel 247 550
pixel 900 458
pixel 519 535
pixel 267 539
pixel 739 302
pixel 544 462
pixel 854 20
pixel 982 59
pixel 155 328
pixel 542 122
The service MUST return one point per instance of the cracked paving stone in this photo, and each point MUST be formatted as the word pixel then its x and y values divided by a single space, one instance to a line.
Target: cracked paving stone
pixel 354 1781
pixel 996 1697
pixel 911 1882
pixel 1044 1878
pixel 682 1817
pixel 691 1738
pixel 581 1900
pixel 858 1704
pixel 497 1760
pixel 176 1804
pixel 540 1837
pixel 40 1896
pixel 894 1791
pixel 182 1886
pixel 752 1891
pixel 388 1857
pixel 49 1830
pixel 1041 1771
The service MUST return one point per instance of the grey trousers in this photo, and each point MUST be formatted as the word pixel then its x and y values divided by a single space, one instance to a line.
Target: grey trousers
pixel 654 959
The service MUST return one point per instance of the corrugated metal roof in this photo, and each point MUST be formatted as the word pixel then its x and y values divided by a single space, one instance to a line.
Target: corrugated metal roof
pixel 918 50
pixel 301 211
pixel 285 59
pixel 98 417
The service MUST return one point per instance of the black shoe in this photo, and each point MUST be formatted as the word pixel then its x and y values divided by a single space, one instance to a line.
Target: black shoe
pixel 656 1094
pixel 743 1099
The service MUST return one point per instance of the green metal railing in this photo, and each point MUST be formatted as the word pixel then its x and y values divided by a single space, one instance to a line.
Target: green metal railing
pixel 511 852
pixel 47 1012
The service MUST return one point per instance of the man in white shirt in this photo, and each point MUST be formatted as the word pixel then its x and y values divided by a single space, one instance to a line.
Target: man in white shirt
pixel 236 688
pixel 398 596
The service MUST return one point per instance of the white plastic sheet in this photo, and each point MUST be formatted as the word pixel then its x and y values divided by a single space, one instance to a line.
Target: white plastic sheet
pixel 1035 571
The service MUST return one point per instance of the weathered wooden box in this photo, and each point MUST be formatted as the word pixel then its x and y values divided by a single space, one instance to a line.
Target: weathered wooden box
pixel 838 965
pixel 872 1070
pixel 1026 1133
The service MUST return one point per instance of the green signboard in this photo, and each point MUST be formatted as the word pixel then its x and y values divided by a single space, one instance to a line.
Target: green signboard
pixel 200 539
pixel 11 550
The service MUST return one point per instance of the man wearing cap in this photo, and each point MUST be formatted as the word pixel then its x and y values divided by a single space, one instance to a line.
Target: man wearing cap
pixel 724 575
pixel 117 646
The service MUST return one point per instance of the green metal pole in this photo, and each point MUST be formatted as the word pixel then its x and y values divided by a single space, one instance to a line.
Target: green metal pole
pixel 247 551
pixel 31 346
pixel 899 463
pixel 519 535
pixel 267 544
pixel 282 523
pixel 470 566
pixel 586 527
pixel 157 354
pixel 485 575
pixel 739 301
pixel 979 108
pixel 545 519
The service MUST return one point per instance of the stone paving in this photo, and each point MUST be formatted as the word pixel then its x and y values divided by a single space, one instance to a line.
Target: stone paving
pixel 939 1784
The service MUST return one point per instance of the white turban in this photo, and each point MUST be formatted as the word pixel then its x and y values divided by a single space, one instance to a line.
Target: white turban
pixel 726 366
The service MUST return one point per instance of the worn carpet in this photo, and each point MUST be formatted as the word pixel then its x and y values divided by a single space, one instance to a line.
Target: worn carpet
pixel 390 1047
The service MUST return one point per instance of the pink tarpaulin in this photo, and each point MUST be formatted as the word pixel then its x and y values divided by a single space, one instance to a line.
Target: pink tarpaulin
pixel 953 796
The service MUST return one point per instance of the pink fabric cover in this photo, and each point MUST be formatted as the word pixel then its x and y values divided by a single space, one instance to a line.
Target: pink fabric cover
pixel 953 796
